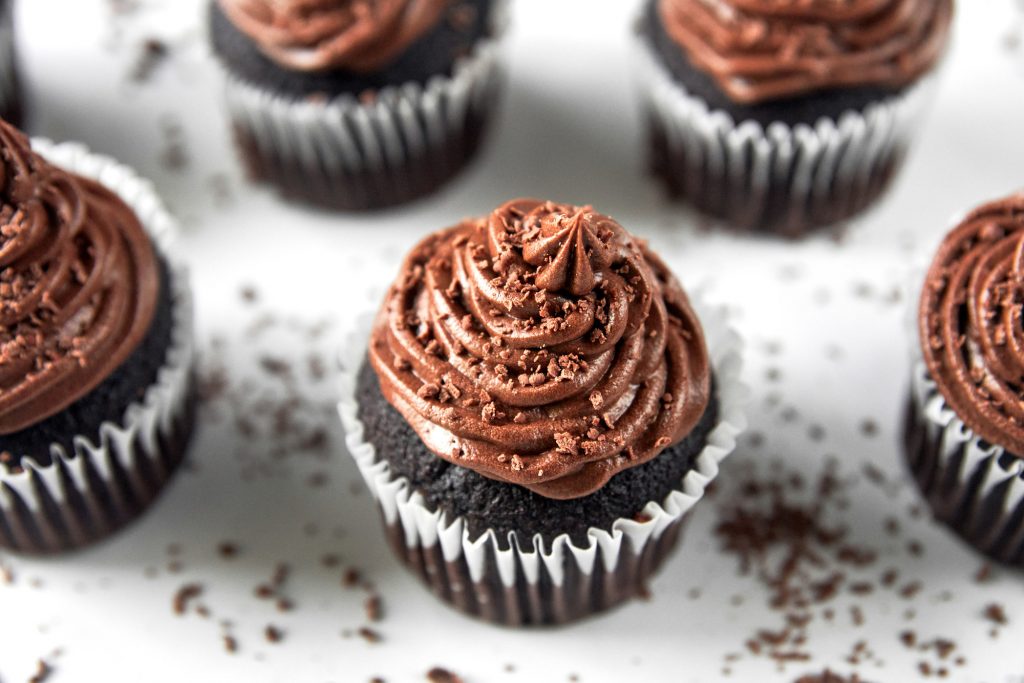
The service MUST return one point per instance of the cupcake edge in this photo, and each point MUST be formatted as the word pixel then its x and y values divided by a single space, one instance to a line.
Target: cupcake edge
pixel 809 177
pixel 354 155
pixel 973 487
pixel 112 482
pixel 506 585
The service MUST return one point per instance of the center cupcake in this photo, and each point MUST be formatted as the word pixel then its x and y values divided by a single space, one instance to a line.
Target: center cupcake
pixel 538 408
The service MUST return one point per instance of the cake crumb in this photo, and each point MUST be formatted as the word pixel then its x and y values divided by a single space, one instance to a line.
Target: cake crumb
pixel 369 635
pixel 441 675
pixel 184 596
pixel 374 608
pixel 227 550
pixel 42 673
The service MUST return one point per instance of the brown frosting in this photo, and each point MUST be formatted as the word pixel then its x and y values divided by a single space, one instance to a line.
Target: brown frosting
pixel 78 284
pixel 541 346
pixel 759 50
pixel 316 35
pixel 972 332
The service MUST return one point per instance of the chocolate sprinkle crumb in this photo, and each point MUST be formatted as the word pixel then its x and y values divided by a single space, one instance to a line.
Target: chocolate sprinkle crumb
pixel 228 550
pixel 374 608
pixel 441 675
pixel 185 594
pixel 42 673
pixel 996 614
pixel 369 635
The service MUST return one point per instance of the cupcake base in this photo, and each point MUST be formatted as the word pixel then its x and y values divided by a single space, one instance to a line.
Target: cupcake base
pixel 974 488
pixel 545 572
pixel 539 602
pixel 368 189
pixel 786 168
pixel 515 516
pixel 88 498
pixel 776 207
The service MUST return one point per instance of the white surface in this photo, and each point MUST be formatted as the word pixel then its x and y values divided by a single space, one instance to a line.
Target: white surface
pixel 569 131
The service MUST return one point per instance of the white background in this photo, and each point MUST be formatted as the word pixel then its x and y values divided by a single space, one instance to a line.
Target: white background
pixel 569 130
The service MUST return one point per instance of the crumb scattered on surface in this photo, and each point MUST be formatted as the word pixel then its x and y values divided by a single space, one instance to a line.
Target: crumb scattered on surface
pixel 44 670
pixel 228 550
pixel 369 635
pixel 441 675
pixel 184 596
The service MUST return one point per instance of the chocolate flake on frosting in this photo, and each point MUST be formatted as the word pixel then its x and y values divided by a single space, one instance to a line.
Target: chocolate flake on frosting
pixel 761 50
pixel 78 284
pixel 541 346
pixel 318 35
pixel 971 326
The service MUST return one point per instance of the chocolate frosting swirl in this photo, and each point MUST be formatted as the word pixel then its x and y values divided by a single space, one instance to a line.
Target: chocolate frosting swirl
pixel 972 332
pixel 760 50
pixel 78 284
pixel 541 346
pixel 317 35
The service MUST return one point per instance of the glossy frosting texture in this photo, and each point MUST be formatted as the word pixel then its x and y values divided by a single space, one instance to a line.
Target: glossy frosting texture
pixel 78 284
pixel 542 346
pixel 761 50
pixel 972 333
pixel 317 35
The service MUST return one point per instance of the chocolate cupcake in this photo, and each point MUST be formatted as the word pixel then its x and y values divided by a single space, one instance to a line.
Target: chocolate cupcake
pixel 11 108
pixel 96 400
pixel 358 104
pixel 964 430
pixel 537 411
pixel 784 117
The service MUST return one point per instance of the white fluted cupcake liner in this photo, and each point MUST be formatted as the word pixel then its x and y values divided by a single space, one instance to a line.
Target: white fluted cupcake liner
pixel 82 496
pixel 974 487
pixel 535 585
pixel 780 178
pixel 350 154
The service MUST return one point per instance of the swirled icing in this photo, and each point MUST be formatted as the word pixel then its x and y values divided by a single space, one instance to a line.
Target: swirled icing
pixel 760 50
pixel 541 346
pixel 78 284
pixel 315 35
pixel 971 326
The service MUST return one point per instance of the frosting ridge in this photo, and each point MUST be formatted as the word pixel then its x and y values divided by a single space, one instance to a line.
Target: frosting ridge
pixel 542 346
pixel 78 284
pixel 315 35
pixel 760 50
pixel 972 332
